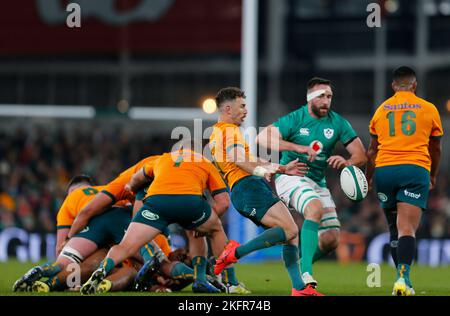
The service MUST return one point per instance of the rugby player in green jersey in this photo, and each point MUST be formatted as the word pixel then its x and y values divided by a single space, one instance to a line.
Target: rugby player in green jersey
pixel 313 126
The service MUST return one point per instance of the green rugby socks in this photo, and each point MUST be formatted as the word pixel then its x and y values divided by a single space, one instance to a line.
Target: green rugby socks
pixel 229 276
pixel 291 262
pixel 318 254
pixel 309 242
pixel 268 238
pixel 405 254
pixel 147 252
pixel 199 264
pixel 182 271
pixel 55 284
pixel 49 270
pixel 107 264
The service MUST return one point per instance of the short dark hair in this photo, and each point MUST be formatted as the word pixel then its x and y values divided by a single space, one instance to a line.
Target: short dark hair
pixel 228 94
pixel 82 178
pixel 403 72
pixel 315 81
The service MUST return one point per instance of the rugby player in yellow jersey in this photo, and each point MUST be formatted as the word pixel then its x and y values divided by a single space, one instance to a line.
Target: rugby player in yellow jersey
pixel 251 195
pixel 112 192
pixel 115 191
pixel 175 196
pixel 101 231
pixel 404 156
pixel 85 244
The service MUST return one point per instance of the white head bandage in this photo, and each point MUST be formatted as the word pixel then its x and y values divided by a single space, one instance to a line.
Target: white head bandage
pixel 314 94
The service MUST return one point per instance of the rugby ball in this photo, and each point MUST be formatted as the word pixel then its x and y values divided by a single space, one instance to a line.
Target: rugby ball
pixel 354 183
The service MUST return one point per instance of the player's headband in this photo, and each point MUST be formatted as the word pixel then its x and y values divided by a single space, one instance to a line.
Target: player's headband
pixel 314 94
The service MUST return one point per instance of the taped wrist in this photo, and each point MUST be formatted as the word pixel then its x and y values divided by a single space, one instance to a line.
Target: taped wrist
pixel 259 171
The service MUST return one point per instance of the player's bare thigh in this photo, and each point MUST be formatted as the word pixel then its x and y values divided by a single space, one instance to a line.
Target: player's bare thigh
pixel 279 216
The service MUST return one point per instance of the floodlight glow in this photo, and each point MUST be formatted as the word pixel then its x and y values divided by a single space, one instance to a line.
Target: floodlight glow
pixel 209 106
pixel 391 6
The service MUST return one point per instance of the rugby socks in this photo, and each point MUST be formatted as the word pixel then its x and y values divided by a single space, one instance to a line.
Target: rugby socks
pixel 182 271
pixel 199 264
pixel 309 242
pixel 147 252
pixel 49 270
pixel 55 284
pixel 393 247
pixel 229 276
pixel 391 217
pixel 107 264
pixel 268 238
pixel 318 254
pixel 291 262
pixel 405 252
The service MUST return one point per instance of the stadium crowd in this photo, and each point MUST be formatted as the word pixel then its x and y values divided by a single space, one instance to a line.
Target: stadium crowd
pixel 36 165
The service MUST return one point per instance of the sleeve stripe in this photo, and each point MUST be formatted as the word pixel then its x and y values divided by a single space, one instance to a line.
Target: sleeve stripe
pixel 113 198
pixel 349 141
pixel 234 146
pixel 437 137
pixel 373 135
pixel 63 226
pixel 215 192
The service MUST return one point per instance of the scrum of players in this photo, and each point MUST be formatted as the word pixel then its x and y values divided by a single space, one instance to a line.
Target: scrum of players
pixel 117 234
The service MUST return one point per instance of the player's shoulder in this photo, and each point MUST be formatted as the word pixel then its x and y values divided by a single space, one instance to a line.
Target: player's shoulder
pixel 224 125
pixel 299 112
pixel 150 159
pixel 79 192
pixel 426 104
pixel 98 187
pixel 337 118
pixel 383 106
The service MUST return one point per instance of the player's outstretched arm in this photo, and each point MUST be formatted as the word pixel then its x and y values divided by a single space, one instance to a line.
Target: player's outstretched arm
pixel 435 148
pixel 270 137
pixel 357 156
pixel 61 237
pixel 221 203
pixel 371 156
pixel 260 168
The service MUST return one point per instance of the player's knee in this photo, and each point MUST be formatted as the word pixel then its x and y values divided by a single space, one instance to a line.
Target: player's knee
pixel 329 240
pixel 291 232
pixel 406 229
pixel 212 226
pixel 314 215
pixel 71 254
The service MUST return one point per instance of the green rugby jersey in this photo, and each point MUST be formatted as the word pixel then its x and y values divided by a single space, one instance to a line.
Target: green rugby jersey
pixel 321 134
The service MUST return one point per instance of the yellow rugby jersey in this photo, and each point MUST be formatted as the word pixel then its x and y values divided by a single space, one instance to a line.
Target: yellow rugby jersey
pixel 116 188
pixel 226 137
pixel 183 172
pixel 75 202
pixel 403 125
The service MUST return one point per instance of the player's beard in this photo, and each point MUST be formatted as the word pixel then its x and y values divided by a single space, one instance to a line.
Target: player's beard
pixel 238 119
pixel 316 110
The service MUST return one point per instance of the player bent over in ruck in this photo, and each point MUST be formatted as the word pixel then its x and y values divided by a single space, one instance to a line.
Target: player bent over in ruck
pixel 175 196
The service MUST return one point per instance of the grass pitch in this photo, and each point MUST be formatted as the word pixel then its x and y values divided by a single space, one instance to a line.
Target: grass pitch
pixel 271 279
